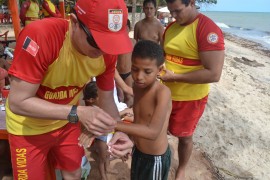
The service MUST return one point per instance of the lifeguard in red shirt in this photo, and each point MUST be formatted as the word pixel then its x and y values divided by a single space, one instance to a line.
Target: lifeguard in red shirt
pixel 29 11
pixel 50 10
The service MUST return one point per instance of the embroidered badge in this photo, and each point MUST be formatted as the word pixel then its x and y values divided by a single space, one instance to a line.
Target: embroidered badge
pixel 115 19
pixel 30 46
pixel 212 38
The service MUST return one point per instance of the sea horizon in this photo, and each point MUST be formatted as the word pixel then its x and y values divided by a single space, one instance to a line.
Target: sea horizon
pixel 249 25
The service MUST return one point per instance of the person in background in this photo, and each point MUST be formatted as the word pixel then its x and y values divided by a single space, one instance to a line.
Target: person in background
pixel 194 57
pixel 4 65
pixel 3 75
pixel 30 11
pixel 5 160
pixel 124 68
pixel 152 107
pixel 149 28
pixel 90 97
pixel 43 117
pixel 50 10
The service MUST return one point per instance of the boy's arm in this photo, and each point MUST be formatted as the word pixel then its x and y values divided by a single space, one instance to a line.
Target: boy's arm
pixel 160 34
pixel 136 29
pixel 154 127
pixel 121 83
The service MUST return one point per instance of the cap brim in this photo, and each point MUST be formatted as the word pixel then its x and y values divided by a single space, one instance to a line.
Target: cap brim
pixel 113 43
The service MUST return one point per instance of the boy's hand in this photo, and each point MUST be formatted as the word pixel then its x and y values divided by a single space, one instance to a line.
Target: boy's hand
pixel 86 139
pixel 120 145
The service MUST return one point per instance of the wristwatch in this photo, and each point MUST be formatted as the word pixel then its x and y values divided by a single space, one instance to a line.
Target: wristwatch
pixel 72 116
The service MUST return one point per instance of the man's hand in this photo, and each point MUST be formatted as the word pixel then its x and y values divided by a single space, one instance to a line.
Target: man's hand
pixel 167 76
pixel 95 120
pixel 120 145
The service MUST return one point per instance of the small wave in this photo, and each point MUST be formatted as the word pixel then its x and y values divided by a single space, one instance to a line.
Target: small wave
pixel 222 25
pixel 241 28
pixel 266 39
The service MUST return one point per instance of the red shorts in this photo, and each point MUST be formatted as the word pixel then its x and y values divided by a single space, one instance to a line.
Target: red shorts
pixel 32 156
pixel 185 115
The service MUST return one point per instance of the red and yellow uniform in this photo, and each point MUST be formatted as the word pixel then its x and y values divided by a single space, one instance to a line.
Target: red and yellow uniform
pixel 182 45
pixel 29 12
pixel 49 9
pixel 48 58
pixel 61 71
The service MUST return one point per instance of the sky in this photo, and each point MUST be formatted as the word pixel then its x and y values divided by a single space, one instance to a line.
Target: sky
pixel 239 6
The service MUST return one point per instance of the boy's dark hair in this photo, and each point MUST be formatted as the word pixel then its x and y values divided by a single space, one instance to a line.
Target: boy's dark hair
pixel 185 2
pixel 149 1
pixel 148 49
pixel 90 90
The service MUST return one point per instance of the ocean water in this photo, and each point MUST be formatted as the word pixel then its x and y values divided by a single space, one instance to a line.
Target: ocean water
pixel 254 26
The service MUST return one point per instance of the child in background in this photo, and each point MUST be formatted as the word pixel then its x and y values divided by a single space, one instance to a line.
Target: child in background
pixel 90 97
pixel 3 75
pixel 152 107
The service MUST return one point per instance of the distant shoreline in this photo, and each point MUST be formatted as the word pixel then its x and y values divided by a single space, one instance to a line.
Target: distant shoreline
pixel 258 47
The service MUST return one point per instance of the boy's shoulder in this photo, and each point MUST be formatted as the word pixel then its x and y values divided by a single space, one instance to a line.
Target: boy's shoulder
pixel 162 89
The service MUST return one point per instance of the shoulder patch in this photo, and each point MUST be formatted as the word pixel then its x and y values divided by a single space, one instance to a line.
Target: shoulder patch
pixel 212 38
pixel 30 46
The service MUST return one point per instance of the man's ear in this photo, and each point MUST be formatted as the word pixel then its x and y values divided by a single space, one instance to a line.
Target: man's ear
pixel 73 19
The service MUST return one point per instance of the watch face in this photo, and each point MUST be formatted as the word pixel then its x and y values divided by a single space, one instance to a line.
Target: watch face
pixel 73 118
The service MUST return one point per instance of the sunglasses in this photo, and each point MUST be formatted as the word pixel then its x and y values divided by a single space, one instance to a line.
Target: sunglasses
pixel 90 39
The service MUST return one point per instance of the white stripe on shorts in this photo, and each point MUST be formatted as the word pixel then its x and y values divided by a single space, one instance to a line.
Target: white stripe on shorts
pixel 157 169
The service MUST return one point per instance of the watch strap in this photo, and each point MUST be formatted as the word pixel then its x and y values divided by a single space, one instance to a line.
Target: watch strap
pixel 73 109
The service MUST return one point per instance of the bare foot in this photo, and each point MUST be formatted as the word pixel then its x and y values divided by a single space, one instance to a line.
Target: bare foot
pixel 180 175
pixel 112 171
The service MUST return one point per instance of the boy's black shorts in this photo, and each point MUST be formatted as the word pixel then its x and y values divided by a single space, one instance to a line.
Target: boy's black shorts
pixel 150 167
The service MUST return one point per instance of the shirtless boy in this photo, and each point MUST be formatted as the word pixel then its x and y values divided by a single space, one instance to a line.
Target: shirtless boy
pixel 152 108
pixel 150 28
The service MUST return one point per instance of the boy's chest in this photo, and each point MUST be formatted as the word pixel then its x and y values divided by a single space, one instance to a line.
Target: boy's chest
pixel 143 109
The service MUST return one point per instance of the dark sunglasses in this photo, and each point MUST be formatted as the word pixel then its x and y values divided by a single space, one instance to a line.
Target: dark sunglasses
pixel 90 39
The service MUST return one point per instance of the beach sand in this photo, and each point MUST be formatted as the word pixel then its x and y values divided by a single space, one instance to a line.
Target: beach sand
pixel 234 130
pixel 232 138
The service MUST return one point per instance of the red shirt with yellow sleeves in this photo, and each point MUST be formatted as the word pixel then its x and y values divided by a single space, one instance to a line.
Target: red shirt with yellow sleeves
pixel 44 55
pixel 182 44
